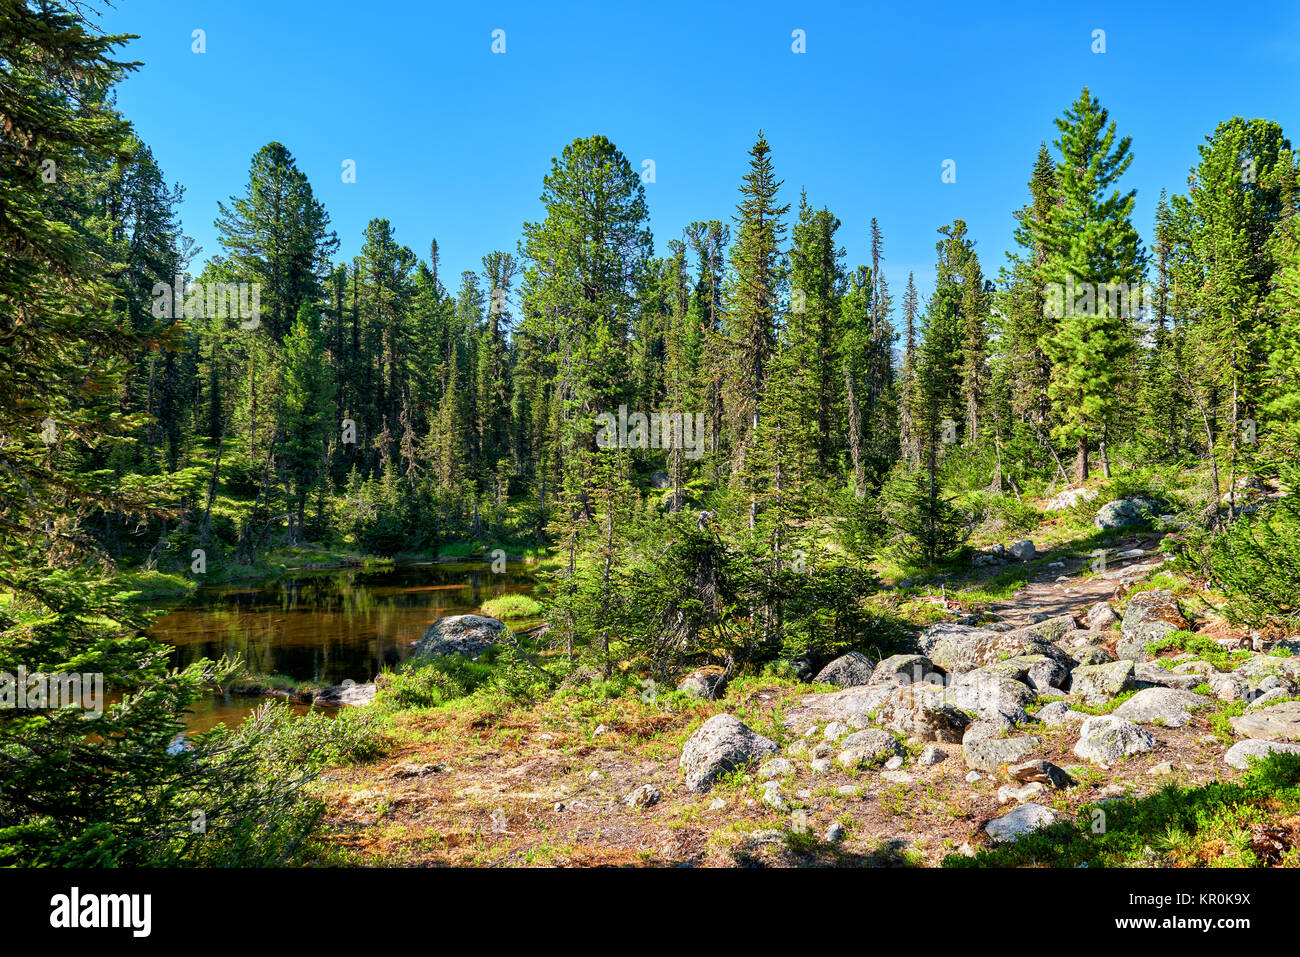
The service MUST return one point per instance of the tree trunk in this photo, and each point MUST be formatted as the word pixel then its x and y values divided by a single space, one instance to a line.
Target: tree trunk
pixel 1081 460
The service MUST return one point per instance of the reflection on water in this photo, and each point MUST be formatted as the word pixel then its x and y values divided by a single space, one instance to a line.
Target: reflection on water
pixel 324 625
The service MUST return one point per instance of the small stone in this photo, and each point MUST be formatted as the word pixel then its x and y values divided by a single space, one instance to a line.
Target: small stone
pixel 600 729
pixel 717 804
pixel 776 767
pixel 834 731
pixel 834 832
pixel 1042 772
pixel 894 763
pixel 820 766
pixel 772 796
pixel 644 796
pixel 972 777
pixel 1161 770
pixel 931 756
pixel 1021 794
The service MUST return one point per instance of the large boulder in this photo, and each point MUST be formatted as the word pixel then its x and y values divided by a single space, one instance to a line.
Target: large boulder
pixel 1165 706
pixel 847 670
pixel 1022 551
pixel 1095 684
pixel 1157 605
pixel 1278 722
pixel 962 648
pixel 919 711
pixel 1104 739
pixel 868 748
pixel 468 635
pixel 901 670
pixel 1136 637
pixel 1126 512
pixel 722 744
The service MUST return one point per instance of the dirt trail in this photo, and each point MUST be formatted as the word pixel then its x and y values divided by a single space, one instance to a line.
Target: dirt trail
pixel 1127 561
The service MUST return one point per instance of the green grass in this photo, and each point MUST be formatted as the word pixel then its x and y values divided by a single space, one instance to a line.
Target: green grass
pixel 511 606
pixel 1203 648
pixel 1178 826
pixel 153 585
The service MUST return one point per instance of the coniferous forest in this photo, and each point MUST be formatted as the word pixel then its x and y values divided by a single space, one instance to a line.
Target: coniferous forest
pixel 808 561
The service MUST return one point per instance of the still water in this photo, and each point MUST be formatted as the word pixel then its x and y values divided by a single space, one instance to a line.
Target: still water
pixel 324 625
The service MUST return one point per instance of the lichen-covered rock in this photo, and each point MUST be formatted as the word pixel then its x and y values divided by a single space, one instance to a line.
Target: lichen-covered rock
pixel 1135 639
pixel 1165 706
pixel 961 648
pixel 901 669
pixel 1022 551
pixel 989 754
pixel 1101 616
pixel 1278 722
pixel 1097 683
pixel 1157 605
pixel 848 670
pixel 1104 739
pixel 870 747
pixel 349 694
pixel 468 635
pixel 1126 512
pixel 1151 674
pixel 919 711
pixel 721 744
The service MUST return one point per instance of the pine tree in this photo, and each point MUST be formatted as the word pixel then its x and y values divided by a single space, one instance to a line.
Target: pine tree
pixel 1091 248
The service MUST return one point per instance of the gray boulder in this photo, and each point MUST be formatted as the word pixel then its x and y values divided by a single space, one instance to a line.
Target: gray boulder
pixel 1104 739
pixel 847 670
pixel 1126 512
pixel 1097 683
pixel 1022 551
pixel 1167 706
pixel 1101 616
pixel 989 754
pixel 1239 754
pixel 1018 823
pixel 721 744
pixel 1277 722
pixel 868 748
pixel 919 711
pixel 468 635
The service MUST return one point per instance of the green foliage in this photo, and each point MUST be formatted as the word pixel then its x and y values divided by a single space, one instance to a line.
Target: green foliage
pixel 511 606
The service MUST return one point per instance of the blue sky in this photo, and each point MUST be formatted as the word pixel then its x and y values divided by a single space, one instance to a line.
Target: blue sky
pixel 452 141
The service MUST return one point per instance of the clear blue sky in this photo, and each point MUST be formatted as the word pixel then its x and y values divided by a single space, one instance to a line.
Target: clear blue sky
pixel 452 141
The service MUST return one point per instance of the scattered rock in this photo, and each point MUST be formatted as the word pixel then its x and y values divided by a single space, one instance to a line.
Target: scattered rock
pixel 642 797
pixel 870 747
pixel 1022 551
pixel 1043 772
pixel 772 796
pixel 1104 739
pixel 1161 770
pixel 834 832
pixel 894 763
pixel 820 765
pixel 989 754
pixel 721 744
pixel 1021 821
pixel 1238 754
